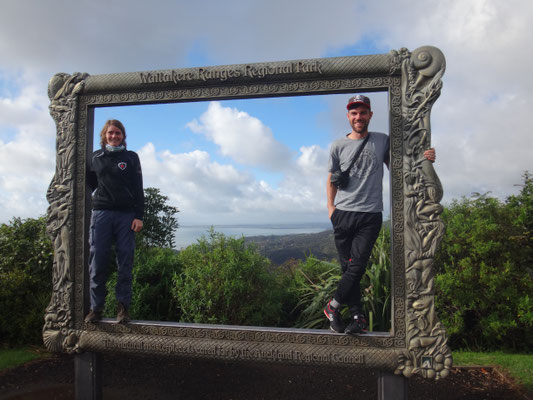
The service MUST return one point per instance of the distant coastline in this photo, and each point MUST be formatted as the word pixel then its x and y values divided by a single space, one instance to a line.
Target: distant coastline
pixel 303 225
pixel 189 234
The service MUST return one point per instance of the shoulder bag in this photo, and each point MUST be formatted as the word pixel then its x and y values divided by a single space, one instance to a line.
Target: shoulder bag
pixel 340 178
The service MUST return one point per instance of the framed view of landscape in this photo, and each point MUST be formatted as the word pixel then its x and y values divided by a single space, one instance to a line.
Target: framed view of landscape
pixel 410 82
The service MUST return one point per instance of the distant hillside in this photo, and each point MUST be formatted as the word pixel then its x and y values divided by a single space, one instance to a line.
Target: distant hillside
pixel 280 248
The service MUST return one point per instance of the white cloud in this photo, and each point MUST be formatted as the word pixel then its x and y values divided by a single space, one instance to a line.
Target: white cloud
pixel 27 151
pixel 242 137
pixel 480 123
pixel 124 35
pixel 194 183
pixel 307 182
pixel 207 192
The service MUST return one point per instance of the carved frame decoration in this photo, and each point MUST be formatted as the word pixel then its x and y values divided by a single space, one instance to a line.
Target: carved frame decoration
pixel 417 343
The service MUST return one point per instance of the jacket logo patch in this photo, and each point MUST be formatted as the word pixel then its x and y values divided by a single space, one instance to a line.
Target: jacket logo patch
pixel 122 165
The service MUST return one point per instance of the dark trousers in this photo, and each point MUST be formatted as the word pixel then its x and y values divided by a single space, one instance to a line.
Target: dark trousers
pixel 106 226
pixel 355 234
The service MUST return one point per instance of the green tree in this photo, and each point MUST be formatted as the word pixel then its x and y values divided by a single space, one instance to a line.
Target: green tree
pixel 521 207
pixel 24 245
pixel 25 279
pixel 484 285
pixel 159 222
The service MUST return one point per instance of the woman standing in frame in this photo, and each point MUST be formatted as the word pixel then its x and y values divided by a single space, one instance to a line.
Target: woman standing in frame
pixel 114 175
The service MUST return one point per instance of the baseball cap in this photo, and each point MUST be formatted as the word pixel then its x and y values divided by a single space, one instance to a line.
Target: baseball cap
pixel 358 99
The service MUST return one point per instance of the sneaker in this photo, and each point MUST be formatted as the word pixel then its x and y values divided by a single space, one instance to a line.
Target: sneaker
pixel 357 325
pixel 93 316
pixel 335 320
pixel 122 314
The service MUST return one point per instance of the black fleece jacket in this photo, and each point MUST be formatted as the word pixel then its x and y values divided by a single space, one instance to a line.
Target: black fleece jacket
pixel 117 178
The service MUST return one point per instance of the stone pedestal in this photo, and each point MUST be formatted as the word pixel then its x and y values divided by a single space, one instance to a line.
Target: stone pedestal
pixel 392 387
pixel 88 376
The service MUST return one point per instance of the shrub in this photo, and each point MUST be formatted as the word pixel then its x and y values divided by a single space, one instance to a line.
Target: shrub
pixel 225 281
pixel 22 305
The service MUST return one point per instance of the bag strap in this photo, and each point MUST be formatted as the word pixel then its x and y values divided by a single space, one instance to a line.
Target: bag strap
pixel 356 156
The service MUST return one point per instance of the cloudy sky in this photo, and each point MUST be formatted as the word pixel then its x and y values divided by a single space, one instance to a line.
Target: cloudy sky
pixel 271 165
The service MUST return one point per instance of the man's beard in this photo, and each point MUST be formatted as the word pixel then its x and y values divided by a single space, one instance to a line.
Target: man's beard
pixel 360 129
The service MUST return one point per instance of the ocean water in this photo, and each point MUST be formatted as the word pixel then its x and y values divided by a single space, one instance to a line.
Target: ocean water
pixel 187 235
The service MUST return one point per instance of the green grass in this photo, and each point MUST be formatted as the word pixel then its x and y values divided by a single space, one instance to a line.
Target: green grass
pixel 10 358
pixel 518 366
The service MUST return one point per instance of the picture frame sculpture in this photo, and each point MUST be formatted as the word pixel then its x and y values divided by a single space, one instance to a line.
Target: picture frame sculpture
pixel 417 342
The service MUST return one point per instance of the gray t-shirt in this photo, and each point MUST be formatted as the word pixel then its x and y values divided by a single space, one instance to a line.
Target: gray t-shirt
pixel 364 192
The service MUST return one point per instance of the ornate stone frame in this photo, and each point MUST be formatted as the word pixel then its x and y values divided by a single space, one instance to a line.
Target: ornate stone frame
pixel 417 343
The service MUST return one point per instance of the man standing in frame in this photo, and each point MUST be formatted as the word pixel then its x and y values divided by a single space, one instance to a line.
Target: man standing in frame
pixel 355 208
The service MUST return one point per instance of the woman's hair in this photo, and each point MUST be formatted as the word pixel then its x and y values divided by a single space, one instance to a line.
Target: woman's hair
pixel 115 123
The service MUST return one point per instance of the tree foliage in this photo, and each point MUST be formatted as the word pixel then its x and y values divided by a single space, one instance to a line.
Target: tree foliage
pixel 485 283
pixel 159 222
pixel 24 245
pixel 25 279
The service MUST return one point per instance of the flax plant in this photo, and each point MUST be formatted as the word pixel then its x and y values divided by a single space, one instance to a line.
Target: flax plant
pixel 316 282
pixel 376 284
